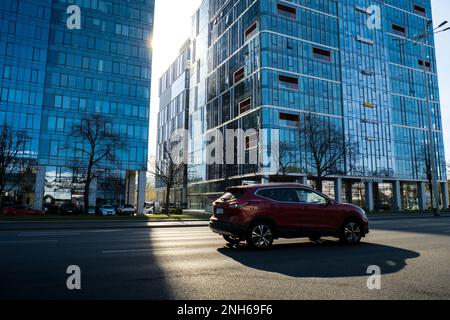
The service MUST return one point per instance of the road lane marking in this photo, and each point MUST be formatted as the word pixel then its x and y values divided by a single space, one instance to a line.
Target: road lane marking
pixel 127 251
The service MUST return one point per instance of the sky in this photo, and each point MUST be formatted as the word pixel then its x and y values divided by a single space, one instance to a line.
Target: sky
pixel 172 28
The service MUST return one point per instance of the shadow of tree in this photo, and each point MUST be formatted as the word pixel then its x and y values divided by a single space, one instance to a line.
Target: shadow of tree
pixel 328 259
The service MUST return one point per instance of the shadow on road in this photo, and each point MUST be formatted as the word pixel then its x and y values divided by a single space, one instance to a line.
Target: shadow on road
pixel 328 259
pixel 37 271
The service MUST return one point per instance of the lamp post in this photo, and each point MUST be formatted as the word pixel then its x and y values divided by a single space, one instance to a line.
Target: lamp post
pixel 421 39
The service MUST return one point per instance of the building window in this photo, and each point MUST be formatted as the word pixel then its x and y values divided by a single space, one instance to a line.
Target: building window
pixel 288 82
pixel 244 105
pixel 239 75
pixel 398 30
pixel 289 119
pixel 290 44
pixel 322 54
pixel 420 10
pixel 427 64
pixel 369 105
pixel 251 30
pixel 286 11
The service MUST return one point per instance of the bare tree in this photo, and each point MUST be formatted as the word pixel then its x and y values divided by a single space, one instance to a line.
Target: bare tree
pixel 327 151
pixel 424 158
pixel 13 162
pixel 98 151
pixel 169 171
pixel 285 161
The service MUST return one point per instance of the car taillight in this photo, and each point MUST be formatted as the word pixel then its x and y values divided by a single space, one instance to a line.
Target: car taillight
pixel 238 205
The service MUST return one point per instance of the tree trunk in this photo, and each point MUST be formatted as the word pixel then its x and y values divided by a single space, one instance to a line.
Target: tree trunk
pixel 167 204
pixel 319 183
pixel 86 197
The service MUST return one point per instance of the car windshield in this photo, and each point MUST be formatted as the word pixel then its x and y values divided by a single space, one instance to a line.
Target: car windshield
pixel 128 207
pixel 232 194
pixel 108 207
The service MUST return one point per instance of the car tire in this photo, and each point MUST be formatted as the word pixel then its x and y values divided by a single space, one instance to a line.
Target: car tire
pixel 351 232
pixel 260 235
pixel 232 239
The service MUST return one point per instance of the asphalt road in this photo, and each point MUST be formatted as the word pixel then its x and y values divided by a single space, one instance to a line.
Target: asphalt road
pixel 193 263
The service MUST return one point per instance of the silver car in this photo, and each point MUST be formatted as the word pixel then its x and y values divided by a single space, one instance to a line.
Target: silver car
pixel 107 211
pixel 126 209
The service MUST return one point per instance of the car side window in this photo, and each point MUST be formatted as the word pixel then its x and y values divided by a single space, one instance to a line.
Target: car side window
pixel 279 194
pixel 310 197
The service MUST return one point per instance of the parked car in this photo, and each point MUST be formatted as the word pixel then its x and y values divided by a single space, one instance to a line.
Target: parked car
pixel 50 209
pixel 126 209
pixel 92 210
pixel 107 210
pixel 259 214
pixel 22 210
pixel 68 209
pixel 152 207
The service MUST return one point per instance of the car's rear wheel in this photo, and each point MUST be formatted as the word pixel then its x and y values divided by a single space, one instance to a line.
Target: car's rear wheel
pixel 232 239
pixel 351 232
pixel 260 235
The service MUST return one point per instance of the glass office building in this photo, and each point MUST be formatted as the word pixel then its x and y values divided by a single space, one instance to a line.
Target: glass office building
pixel 173 116
pixel 53 75
pixel 266 64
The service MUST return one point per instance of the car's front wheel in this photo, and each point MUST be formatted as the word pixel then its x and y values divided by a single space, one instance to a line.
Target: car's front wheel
pixel 351 232
pixel 260 235
pixel 232 239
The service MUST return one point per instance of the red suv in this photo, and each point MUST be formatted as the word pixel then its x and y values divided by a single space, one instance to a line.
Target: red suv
pixel 259 214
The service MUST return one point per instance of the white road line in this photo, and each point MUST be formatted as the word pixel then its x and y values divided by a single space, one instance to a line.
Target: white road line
pixel 127 251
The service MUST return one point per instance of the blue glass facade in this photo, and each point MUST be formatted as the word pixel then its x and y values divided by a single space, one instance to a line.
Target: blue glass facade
pixel 54 76
pixel 258 60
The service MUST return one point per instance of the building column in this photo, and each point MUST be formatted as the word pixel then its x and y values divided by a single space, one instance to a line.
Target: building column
pixel 131 187
pixel 369 196
pixel 93 193
pixel 142 185
pixel 338 190
pixel 397 196
pixel 445 195
pixel 302 180
pixel 422 196
pixel 39 188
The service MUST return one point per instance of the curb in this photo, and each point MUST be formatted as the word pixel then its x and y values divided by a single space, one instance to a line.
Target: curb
pixel 375 218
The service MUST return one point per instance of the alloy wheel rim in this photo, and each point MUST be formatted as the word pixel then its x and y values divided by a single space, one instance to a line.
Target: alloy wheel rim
pixel 352 232
pixel 261 236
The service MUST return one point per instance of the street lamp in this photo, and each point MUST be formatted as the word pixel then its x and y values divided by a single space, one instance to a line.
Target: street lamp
pixel 421 39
